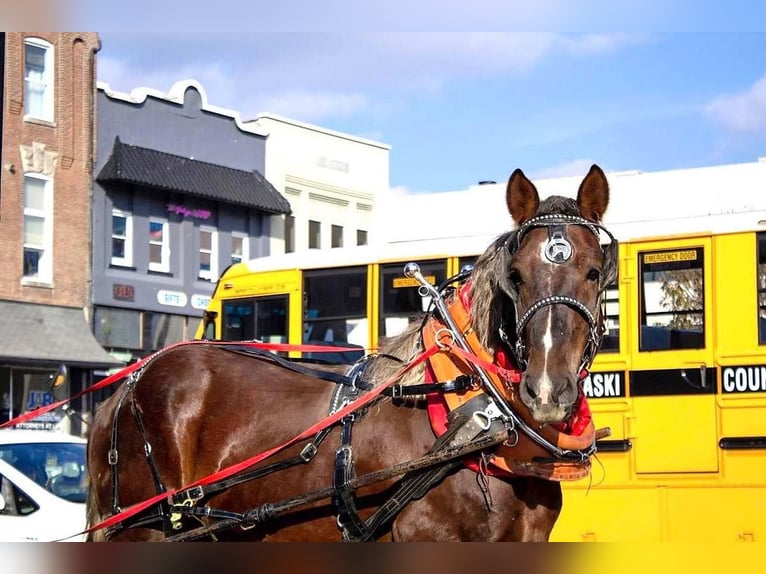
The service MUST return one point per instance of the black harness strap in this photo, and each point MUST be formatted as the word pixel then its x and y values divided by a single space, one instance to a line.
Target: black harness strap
pixel 464 427
pixel 271 510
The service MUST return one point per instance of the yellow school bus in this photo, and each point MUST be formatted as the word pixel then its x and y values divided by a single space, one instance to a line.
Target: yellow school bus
pixel 680 380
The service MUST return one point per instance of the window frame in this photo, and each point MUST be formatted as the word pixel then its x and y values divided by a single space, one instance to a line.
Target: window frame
pixel 127 259
pixel 644 269
pixel 212 273
pixel 45 261
pixel 164 265
pixel 48 81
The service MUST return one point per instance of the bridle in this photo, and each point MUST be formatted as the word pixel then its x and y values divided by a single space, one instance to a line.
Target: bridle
pixel 558 250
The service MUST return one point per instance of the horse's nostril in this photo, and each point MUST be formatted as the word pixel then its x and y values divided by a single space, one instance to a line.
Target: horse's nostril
pixel 531 391
pixel 567 395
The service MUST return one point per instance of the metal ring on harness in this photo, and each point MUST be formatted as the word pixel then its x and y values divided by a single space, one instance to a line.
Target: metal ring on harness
pixel 438 339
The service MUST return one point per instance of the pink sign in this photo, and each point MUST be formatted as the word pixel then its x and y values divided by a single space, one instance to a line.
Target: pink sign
pixel 184 212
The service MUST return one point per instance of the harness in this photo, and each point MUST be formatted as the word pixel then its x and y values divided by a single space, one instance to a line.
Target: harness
pixel 482 414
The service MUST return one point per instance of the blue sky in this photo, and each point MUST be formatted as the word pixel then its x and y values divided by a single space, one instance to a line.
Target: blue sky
pixel 458 107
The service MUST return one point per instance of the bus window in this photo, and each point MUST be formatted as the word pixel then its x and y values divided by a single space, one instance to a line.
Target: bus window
pixel 400 301
pixel 335 306
pixel 262 318
pixel 611 340
pixel 762 288
pixel 672 299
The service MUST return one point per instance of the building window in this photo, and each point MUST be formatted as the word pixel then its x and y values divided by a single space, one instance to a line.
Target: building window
pixel 162 329
pixel 239 248
pixel 336 236
pixel 289 234
pixel 38 79
pixel 361 237
pixel 122 238
pixel 315 235
pixel 208 260
pixel 38 228
pixel 762 288
pixel 159 245
pixel 117 328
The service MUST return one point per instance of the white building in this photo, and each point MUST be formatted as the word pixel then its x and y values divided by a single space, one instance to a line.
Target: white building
pixel 332 180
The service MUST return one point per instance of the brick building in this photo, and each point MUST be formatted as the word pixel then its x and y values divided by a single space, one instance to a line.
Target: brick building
pixel 47 86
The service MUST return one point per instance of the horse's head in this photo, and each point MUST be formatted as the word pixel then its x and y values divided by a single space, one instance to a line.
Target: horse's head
pixel 558 272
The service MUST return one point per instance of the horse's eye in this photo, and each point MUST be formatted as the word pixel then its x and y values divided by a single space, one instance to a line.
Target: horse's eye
pixel 593 274
pixel 515 277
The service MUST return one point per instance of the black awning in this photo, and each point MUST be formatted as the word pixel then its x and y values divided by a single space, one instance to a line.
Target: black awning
pixel 49 334
pixel 157 169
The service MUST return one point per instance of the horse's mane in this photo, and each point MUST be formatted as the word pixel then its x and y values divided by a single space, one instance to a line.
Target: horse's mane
pixel 492 306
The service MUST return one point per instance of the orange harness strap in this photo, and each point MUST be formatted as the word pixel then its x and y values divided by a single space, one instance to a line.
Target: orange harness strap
pixel 524 457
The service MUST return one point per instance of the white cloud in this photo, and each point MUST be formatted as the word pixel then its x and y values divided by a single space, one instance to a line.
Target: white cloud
pixel 315 76
pixel 743 112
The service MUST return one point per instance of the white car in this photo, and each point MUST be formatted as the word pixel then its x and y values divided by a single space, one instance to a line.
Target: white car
pixel 42 486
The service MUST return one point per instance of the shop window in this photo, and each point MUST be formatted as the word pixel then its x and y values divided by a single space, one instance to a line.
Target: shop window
pixel 672 299
pixel 163 329
pixel 38 79
pixel 117 328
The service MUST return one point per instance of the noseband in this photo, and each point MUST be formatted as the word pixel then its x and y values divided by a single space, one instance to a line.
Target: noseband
pixel 558 251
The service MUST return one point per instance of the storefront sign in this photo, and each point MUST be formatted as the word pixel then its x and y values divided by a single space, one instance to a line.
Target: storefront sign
pixel 171 298
pixel 200 301
pixel 121 292
pixel 185 212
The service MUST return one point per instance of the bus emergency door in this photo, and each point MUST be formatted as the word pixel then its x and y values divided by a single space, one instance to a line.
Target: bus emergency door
pixel 672 376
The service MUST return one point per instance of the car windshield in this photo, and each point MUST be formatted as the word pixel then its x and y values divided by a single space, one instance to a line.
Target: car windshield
pixel 57 467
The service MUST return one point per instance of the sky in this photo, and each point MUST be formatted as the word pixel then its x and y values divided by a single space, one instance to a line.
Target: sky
pixel 682 84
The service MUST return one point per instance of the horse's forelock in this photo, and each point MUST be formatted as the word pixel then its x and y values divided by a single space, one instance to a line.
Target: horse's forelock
pixel 559 205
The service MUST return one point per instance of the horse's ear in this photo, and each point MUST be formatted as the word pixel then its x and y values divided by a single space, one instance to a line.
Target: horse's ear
pixel 521 197
pixel 593 195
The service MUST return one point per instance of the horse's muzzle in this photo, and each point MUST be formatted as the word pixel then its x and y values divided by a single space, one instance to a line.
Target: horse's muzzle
pixel 550 405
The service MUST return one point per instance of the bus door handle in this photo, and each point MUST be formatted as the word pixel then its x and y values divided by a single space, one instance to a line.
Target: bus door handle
pixel 703 379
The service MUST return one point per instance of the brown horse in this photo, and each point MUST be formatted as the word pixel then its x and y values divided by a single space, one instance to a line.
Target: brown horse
pixel 193 410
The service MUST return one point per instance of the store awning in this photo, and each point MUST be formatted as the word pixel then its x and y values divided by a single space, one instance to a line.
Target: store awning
pixel 48 334
pixel 160 170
